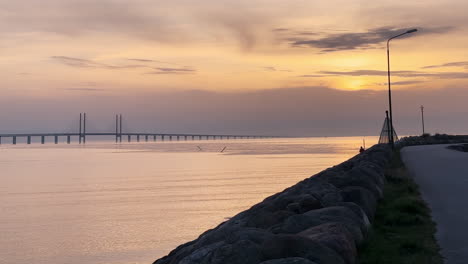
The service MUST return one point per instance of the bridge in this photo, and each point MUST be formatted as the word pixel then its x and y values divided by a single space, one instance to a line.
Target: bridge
pixel 118 134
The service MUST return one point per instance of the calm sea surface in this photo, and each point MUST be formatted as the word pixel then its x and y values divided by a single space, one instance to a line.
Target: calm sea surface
pixel 132 203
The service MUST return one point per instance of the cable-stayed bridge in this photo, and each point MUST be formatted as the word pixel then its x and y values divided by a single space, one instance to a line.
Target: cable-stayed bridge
pixel 119 135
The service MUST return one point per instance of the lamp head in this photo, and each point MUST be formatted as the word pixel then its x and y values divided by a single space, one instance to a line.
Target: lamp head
pixel 411 31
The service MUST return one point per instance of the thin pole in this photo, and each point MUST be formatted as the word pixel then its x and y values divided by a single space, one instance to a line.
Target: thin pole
pixel 390 95
pixel 422 119
pixel 392 140
pixel 120 127
pixel 84 128
pixel 79 134
pixel 388 127
pixel 116 128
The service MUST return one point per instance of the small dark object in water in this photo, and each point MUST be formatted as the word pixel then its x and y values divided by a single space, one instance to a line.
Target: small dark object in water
pixel 461 147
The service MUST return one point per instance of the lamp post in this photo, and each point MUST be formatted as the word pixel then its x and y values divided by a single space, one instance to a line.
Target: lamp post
pixel 389 84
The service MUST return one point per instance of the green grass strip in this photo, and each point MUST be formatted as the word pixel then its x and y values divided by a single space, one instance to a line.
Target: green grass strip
pixel 403 231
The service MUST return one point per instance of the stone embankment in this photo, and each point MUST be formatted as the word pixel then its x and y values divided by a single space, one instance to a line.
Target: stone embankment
pixel 431 140
pixel 320 220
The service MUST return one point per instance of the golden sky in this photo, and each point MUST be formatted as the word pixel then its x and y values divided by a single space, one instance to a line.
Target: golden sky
pixel 63 49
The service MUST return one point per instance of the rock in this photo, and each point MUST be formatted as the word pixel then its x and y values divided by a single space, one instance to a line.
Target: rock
pixel 287 246
pixel 309 203
pixel 265 219
pixel 199 255
pixel 297 223
pixel 322 191
pixel 288 261
pixel 240 252
pixel 355 178
pixel 255 235
pixel 294 207
pixel 360 213
pixel 362 197
pixel 336 237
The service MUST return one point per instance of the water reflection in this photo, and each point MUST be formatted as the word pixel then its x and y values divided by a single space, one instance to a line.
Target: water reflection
pixel 131 203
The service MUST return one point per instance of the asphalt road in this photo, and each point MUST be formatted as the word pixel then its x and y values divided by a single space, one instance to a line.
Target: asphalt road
pixel 442 175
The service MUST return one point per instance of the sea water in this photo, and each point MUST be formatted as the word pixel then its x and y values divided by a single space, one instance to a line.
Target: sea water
pixel 107 203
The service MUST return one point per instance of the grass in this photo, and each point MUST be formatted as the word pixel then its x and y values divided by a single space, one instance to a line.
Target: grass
pixel 403 231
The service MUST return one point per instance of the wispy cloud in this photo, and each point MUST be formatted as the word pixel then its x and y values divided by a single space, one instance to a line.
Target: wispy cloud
pixel 84 89
pixel 449 64
pixel 86 63
pixel 362 40
pixel 312 75
pixel 172 71
pixel 149 61
pixel 274 69
pixel 144 63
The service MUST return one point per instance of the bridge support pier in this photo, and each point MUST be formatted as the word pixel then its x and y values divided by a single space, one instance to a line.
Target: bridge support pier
pixel 170 138
pixel 162 137
pixel 29 139
pixel 154 137
pixel 185 137
pixel 43 139
pixel 129 138
pixel 56 139
pixel 68 139
pixel 138 138
pixel 193 137
pixel 14 140
pixel 178 138
pixel 0 140
pixel 199 137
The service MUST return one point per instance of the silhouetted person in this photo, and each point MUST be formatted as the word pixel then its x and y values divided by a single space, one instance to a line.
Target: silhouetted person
pixel 361 150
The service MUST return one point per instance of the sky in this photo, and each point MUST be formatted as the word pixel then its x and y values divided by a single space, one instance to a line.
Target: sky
pixel 264 67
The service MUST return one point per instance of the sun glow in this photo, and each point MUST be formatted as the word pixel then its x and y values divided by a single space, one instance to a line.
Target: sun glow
pixel 353 84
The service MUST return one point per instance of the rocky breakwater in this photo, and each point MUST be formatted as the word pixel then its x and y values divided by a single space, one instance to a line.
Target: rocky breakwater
pixel 320 220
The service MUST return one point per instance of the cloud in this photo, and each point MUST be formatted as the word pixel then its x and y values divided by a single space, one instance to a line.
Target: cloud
pixel 402 83
pixel 84 89
pixel 86 63
pixel 274 69
pixel 79 63
pixel 450 64
pixel 441 75
pixel 80 17
pixel 149 61
pixel 312 75
pixel 172 71
pixel 363 40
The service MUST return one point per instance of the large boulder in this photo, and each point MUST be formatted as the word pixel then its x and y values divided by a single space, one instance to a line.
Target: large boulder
pixel 362 197
pixel 288 261
pixel 287 246
pixel 336 237
pixel 341 214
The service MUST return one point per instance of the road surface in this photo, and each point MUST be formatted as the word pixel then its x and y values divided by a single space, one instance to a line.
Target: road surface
pixel 442 175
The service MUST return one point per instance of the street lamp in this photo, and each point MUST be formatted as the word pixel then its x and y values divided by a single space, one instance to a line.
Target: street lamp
pixel 391 139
